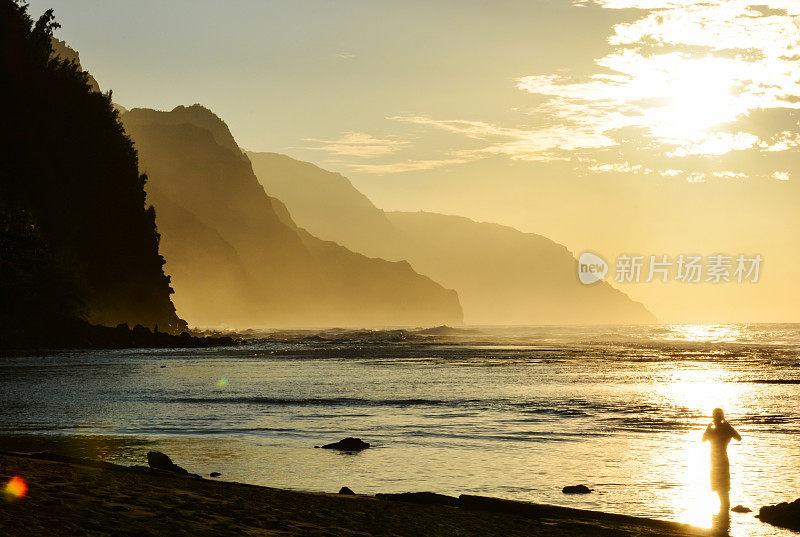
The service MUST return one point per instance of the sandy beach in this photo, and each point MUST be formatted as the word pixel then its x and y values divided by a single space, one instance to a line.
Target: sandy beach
pixel 71 498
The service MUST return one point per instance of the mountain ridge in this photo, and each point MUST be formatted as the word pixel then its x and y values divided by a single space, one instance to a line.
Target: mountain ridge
pixel 503 275
pixel 331 205
pixel 302 280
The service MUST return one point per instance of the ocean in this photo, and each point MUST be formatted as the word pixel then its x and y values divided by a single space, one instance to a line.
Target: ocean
pixel 512 412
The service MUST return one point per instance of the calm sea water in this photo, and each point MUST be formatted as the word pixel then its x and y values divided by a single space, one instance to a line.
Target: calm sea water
pixel 512 412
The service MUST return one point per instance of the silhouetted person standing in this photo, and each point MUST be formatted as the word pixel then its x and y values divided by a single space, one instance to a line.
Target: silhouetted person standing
pixel 719 434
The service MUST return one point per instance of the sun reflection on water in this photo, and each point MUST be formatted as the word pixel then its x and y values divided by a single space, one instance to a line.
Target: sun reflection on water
pixel 702 389
pixel 696 390
pixel 699 504
pixel 704 333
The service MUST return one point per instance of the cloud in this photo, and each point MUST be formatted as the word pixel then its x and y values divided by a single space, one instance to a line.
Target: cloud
pixel 675 96
pixel 783 141
pixel 624 167
pixel 517 143
pixel 345 55
pixel 355 144
pixel 717 143
pixel 693 78
pixel 717 25
pixel 770 6
pixel 686 83
pixel 365 146
pixel 409 166
pixel 727 174
pixel 683 80
pixel 639 169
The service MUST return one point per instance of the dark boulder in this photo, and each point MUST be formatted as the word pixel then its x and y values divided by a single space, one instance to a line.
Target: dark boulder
pixel 346 490
pixel 160 461
pixel 741 509
pixel 348 444
pixel 576 489
pixel 214 474
pixel 785 515
pixel 423 498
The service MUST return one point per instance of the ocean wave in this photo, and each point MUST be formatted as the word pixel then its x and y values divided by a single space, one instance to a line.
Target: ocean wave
pixel 517 409
pixel 315 401
pixel 766 419
pixel 771 381
pixel 649 424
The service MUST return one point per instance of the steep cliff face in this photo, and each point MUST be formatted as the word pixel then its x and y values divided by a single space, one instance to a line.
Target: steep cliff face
pixel 236 256
pixel 77 238
pixel 502 275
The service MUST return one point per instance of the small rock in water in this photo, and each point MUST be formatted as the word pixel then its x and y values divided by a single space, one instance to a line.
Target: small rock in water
pixel 346 490
pixel 741 509
pixel 214 474
pixel 576 489
pixel 348 444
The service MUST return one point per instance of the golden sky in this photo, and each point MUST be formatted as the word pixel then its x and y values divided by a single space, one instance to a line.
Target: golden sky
pixel 618 126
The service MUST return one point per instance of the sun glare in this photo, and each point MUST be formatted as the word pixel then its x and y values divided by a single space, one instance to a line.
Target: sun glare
pixel 701 389
pixel 704 333
pixel 689 98
pixel 688 76
pixel 692 109
pixel 700 502
pixel 16 488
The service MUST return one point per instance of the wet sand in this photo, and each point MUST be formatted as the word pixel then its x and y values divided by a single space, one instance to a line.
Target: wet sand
pixel 86 498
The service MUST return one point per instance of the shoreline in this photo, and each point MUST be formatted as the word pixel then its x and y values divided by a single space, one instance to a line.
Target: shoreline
pixel 72 496
pixel 80 335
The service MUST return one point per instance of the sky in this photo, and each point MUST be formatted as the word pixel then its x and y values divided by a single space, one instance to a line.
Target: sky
pixel 649 127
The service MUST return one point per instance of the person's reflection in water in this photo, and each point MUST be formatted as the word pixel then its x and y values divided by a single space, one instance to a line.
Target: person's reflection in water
pixel 719 434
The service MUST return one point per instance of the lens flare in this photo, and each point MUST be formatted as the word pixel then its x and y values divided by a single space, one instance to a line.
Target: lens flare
pixel 15 489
